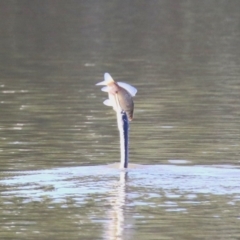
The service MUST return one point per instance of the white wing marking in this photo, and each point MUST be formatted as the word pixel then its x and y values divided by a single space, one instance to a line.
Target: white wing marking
pixel 132 90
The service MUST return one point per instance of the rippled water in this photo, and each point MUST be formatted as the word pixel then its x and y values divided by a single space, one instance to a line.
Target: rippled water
pixel 140 202
pixel 57 138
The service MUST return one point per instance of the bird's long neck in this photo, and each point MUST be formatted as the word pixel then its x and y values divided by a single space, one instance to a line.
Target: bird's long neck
pixel 123 127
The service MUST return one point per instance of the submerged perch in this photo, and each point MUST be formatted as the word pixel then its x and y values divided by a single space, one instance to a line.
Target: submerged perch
pixel 120 98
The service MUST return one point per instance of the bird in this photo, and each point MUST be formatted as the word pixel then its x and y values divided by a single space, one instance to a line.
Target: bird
pixel 120 98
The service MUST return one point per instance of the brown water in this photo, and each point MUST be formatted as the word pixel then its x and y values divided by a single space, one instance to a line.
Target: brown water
pixel 57 136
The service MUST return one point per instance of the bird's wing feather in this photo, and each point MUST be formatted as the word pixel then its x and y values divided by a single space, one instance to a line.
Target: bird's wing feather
pixel 108 78
pixel 132 90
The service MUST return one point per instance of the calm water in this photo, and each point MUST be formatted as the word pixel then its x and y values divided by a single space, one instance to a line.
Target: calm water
pixel 57 138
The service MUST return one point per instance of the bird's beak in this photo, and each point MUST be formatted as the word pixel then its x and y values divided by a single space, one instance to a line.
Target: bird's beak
pixel 101 83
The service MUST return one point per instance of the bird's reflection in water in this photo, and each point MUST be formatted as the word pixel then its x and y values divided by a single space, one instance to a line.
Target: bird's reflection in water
pixel 116 227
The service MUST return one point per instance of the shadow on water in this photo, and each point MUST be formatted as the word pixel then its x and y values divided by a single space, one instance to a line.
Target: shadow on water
pixel 138 184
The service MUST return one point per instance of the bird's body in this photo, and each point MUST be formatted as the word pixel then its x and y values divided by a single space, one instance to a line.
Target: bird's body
pixel 121 98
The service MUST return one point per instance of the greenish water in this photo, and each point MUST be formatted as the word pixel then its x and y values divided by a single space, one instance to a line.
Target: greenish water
pixel 57 137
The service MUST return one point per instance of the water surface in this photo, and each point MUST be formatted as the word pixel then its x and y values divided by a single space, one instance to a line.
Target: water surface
pixel 128 203
pixel 57 138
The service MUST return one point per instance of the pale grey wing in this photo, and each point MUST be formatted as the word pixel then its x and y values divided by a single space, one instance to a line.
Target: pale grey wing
pixel 132 90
